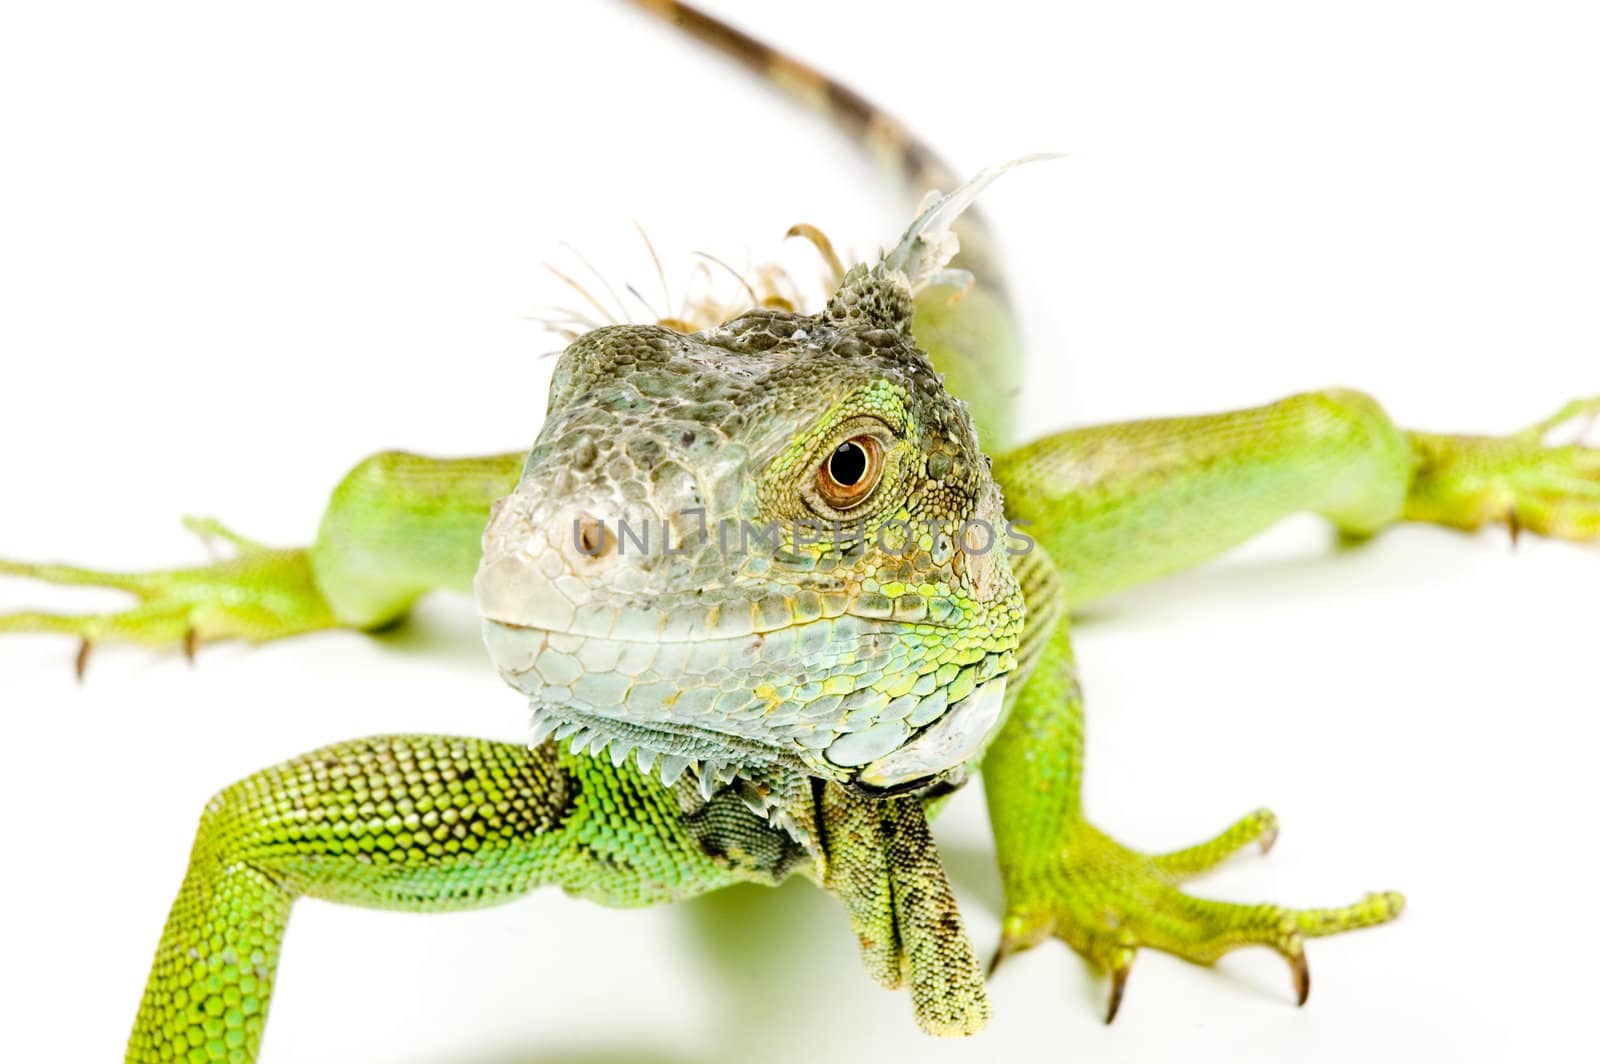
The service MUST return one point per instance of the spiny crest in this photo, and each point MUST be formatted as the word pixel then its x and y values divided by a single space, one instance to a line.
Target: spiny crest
pixel 880 296
pixel 864 296
pixel 715 292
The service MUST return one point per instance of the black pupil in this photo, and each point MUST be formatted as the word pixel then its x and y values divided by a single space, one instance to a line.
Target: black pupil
pixel 848 464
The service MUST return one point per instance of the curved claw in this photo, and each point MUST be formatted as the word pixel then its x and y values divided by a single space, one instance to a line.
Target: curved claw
pixel 1020 932
pixel 1108 902
pixel 262 593
pixel 1269 836
pixel 1119 982
pixel 1300 971
pixel 1001 952
pixel 1526 481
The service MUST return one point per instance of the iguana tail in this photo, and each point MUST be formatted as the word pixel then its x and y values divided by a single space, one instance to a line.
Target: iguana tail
pixel 916 166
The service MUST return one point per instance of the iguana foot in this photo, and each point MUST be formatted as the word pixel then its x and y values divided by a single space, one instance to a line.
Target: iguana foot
pixel 259 593
pixel 1107 902
pixel 1520 481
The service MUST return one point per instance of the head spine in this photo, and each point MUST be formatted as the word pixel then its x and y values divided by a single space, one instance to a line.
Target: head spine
pixel 881 296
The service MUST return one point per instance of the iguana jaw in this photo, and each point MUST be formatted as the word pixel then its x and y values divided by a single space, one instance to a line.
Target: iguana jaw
pixel 658 702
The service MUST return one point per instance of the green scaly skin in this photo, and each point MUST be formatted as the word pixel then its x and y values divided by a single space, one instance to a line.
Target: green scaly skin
pixel 432 823
pixel 413 822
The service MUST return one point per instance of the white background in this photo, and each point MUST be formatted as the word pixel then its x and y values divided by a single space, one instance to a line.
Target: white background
pixel 242 246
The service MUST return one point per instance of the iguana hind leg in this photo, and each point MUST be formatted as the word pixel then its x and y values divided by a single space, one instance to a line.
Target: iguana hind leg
pixel 398 525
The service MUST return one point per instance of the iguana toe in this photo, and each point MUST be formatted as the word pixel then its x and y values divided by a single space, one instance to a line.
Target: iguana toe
pixel 1107 902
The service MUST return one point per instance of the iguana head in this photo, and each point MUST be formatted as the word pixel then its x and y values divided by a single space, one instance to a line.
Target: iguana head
pixel 772 542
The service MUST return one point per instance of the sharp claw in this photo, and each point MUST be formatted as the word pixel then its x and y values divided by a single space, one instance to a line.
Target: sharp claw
pixel 81 665
pixel 191 644
pixel 1001 952
pixel 1301 973
pixel 1119 983
pixel 1515 527
pixel 1269 839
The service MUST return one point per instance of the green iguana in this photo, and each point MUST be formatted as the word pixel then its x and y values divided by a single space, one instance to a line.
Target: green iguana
pixel 774 586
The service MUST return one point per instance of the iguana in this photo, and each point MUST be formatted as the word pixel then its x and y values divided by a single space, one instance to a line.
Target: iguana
pixel 771 602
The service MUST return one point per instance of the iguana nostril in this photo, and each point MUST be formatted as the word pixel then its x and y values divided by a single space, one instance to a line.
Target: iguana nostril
pixel 591 537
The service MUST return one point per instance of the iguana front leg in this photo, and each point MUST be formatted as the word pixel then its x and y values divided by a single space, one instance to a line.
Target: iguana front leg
pixel 1119 505
pixel 430 823
pixel 398 525
pixel 1064 877
pixel 423 823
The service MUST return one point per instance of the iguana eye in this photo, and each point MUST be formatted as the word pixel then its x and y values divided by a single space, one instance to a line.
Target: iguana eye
pixel 851 472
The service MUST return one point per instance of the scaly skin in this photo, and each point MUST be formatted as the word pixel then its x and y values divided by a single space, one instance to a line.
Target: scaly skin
pixel 398 525
pixel 1065 877
pixel 429 823
pixel 260 593
pixel 421 823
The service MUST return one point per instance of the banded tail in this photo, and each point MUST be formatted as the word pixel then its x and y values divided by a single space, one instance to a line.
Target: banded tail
pixel 916 166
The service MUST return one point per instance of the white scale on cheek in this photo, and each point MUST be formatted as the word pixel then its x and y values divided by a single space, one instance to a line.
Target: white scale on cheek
pixel 636 659
pixel 601 689
pixel 953 740
pixel 510 649
pixel 857 748
pixel 599 655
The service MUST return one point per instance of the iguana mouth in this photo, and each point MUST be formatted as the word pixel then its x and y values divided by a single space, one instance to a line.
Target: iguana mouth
pixel 677 706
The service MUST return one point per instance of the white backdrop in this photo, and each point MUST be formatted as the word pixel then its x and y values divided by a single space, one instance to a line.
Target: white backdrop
pixel 242 246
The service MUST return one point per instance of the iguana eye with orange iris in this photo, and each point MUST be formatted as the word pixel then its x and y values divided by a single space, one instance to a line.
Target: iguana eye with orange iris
pixel 851 472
